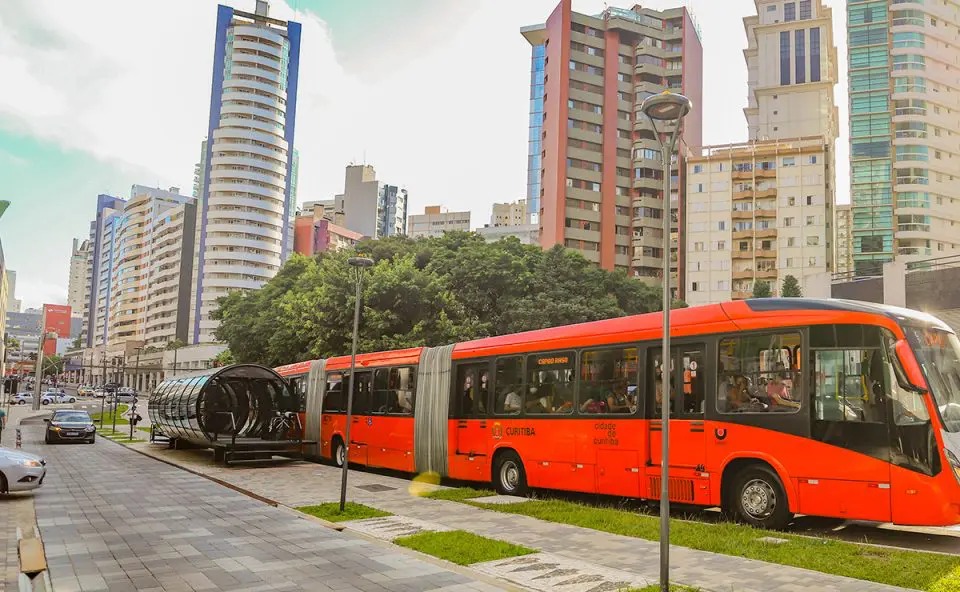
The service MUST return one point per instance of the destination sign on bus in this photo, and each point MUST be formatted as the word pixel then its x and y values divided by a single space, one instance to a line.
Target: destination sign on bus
pixel 553 360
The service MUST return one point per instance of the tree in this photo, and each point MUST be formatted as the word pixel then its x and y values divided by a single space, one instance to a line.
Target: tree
pixel 761 289
pixel 52 365
pixel 77 343
pixel 224 358
pixel 175 344
pixel 791 288
pixel 424 292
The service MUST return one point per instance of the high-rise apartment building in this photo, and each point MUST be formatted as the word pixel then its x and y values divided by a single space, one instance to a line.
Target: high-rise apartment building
pixel 4 298
pixel 763 210
pixel 12 302
pixel 246 174
pixel 434 222
pixel 904 104
pixel 372 208
pixel 392 211
pixel 509 214
pixel 100 262
pixel 152 269
pixel 843 241
pixel 77 285
pixel 594 163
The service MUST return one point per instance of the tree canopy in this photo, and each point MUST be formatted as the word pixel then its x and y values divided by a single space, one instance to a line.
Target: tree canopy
pixel 791 288
pixel 424 292
pixel 761 289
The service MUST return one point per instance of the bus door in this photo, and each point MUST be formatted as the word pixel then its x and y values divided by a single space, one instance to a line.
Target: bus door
pixel 361 428
pixel 471 400
pixel 850 387
pixel 687 390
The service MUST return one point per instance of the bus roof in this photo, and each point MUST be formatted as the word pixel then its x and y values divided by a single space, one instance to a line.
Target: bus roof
pixel 712 318
pixel 388 358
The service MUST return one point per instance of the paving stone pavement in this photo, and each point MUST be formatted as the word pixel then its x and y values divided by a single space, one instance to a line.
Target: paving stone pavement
pixel 116 521
pixel 302 483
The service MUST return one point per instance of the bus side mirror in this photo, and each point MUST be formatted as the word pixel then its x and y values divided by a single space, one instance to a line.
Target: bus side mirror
pixel 911 367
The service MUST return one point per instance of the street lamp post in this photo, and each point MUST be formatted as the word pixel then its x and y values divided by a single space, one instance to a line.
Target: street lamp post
pixel 103 386
pixel 136 390
pixel 359 264
pixel 666 107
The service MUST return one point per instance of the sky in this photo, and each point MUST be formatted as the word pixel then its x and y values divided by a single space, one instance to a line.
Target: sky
pixel 103 94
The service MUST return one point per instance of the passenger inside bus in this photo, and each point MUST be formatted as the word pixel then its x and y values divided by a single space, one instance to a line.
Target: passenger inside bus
pixel 472 400
pixel 619 401
pixel 778 393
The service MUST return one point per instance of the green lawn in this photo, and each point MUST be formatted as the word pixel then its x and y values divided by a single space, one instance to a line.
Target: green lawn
pixel 656 588
pixel 351 511
pixel 461 547
pixel 108 416
pixel 910 569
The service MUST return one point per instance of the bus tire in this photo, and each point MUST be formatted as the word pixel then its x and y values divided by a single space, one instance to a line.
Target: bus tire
pixel 758 499
pixel 339 452
pixel 509 476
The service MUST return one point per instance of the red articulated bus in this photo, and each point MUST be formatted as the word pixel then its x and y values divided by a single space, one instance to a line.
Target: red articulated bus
pixel 777 406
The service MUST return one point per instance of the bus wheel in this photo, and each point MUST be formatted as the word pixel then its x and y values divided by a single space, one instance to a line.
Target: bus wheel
pixel 759 500
pixel 509 478
pixel 339 452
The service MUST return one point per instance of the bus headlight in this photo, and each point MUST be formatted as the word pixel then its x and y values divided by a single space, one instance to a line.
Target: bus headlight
pixel 954 464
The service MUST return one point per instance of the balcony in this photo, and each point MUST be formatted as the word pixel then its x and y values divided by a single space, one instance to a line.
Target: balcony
pixel 743 275
pixel 740 175
pixel 748 194
pixel 765 173
pixel 767 274
pixel 741 234
pixel 769 192
pixel 742 215
pixel 747 254
pixel 766 253
pixel 740 295
pixel 765 233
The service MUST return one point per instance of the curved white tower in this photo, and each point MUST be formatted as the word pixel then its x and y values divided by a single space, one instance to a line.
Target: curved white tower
pixel 246 202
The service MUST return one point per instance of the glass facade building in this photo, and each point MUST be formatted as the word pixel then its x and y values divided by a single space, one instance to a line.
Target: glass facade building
pixel 536 127
pixel 871 170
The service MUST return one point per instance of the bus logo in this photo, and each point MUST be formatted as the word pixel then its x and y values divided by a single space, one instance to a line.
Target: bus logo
pixel 497 431
pixel 720 433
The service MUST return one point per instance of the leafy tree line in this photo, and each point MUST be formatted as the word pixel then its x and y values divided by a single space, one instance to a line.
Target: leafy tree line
pixel 424 292
pixel 790 289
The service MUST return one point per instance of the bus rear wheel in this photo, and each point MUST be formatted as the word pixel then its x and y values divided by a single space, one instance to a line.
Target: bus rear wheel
pixel 339 452
pixel 509 476
pixel 758 499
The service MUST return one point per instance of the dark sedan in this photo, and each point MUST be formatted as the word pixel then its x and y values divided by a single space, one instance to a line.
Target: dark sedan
pixel 68 425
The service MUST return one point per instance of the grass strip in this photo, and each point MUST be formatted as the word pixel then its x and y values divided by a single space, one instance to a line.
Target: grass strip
pixel 461 547
pixel 932 572
pixel 108 416
pixel 352 511
pixel 656 588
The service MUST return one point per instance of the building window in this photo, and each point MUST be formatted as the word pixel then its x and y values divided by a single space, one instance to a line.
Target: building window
pixel 696 287
pixel 813 241
pixel 698 247
pixel 804 10
pixel 815 54
pixel 788 221
pixel 697 168
pixel 789 161
pixel 789 12
pixel 811 220
pixel 721 245
pixel 784 58
pixel 801 56
pixel 722 225
pixel 809 200
pixel 812 159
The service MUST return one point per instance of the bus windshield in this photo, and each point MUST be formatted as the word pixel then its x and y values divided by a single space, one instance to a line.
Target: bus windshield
pixel 938 352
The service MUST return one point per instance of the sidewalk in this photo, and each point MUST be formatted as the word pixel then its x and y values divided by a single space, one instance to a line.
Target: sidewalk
pixel 299 484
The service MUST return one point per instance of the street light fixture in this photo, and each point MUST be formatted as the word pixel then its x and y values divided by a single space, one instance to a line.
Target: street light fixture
pixel 666 107
pixel 359 265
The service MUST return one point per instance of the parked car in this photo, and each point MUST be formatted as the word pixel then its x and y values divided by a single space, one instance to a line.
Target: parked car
pixel 126 396
pixel 20 471
pixel 55 397
pixel 99 393
pixel 70 425
pixel 85 391
pixel 21 399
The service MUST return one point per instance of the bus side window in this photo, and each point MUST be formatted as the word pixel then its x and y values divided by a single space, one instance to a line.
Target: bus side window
pixel 756 374
pixel 334 399
pixel 508 386
pixel 405 390
pixel 472 389
pixel 551 383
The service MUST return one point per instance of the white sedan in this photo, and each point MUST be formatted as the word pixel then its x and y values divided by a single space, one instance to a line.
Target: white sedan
pixel 20 471
pixel 54 397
